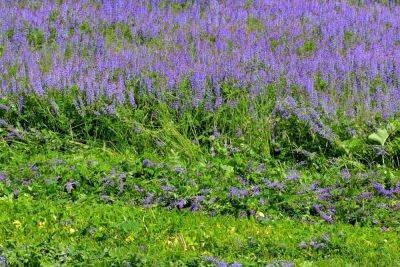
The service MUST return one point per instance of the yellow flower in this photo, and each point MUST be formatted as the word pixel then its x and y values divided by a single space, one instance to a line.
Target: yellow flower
pixel 129 238
pixel 72 230
pixel 41 224
pixel 17 224
pixel 260 214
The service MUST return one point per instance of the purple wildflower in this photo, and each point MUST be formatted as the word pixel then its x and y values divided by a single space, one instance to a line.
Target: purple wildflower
pixel 364 195
pixel 345 174
pixel 382 190
pixel 292 175
pixel 3 176
pixel 33 168
pixel 273 185
pixel 238 193
pixel 168 188
pixel 69 186
pixel 179 170
pixel 179 204
pixel 148 200
pixel 326 217
pixel 255 190
pixel 138 189
pixel 303 245
pixel 325 238
pixel 147 163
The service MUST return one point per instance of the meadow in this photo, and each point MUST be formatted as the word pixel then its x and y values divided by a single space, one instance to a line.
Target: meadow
pixel 199 133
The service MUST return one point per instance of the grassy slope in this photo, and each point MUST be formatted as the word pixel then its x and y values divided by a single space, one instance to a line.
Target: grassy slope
pixel 47 227
pixel 34 231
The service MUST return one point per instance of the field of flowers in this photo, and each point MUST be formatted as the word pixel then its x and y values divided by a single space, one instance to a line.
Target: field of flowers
pixel 199 133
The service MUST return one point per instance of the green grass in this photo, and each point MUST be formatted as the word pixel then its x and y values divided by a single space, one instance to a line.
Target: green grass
pixel 101 221
pixel 97 223
pixel 44 231
pixel 45 225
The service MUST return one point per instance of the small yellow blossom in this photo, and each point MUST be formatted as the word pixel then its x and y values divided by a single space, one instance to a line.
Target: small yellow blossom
pixel 129 238
pixel 72 230
pixel 41 224
pixel 260 214
pixel 17 224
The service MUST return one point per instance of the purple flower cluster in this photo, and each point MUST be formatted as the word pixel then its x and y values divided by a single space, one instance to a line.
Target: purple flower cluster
pixel 219 263
pixel 380 189
pixel 273 185
pixel 330 54
pixel 316 243
pixel 238 193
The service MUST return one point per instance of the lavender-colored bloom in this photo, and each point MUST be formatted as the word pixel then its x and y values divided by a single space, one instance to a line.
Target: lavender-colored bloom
pixel 147 163
pixel 168 188
pixel 317 245
pixel 239 132
pixel 273 185
pixel 237 193
pixel 20 104
pixel 326 217
pixel 194 207
pixel 255 190
pixel 292 175
pixel 106 199
pixel 345 174
pixel 215 261
pixel 69 186
pixel 242 180
pixel 316 208
pixel 179 204
pixel 204 191
pixel 382 190
pixel 248 167
pixel 148 200
pixel 3 176
pixel 33 168
pixel 325 238
pixel 179 170
pixel 198 199
pixel 314 186
pixel 210 259
pixel 364 195
pixel 323 193
pixel 230 56
pixel 3 261
pixel 303 245
pixel 4 107
pixel 138 189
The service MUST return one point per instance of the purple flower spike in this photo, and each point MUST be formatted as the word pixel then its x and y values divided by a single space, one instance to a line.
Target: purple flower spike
pixel 326 217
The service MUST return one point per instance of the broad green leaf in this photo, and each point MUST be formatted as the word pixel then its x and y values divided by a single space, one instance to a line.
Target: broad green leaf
pixel 380 136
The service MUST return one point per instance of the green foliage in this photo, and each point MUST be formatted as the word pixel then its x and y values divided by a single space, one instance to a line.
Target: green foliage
pixel 307 48
pixel 380 136
pixel 98 224
pixel 35 38
pixel 254 24
pixel 43 232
